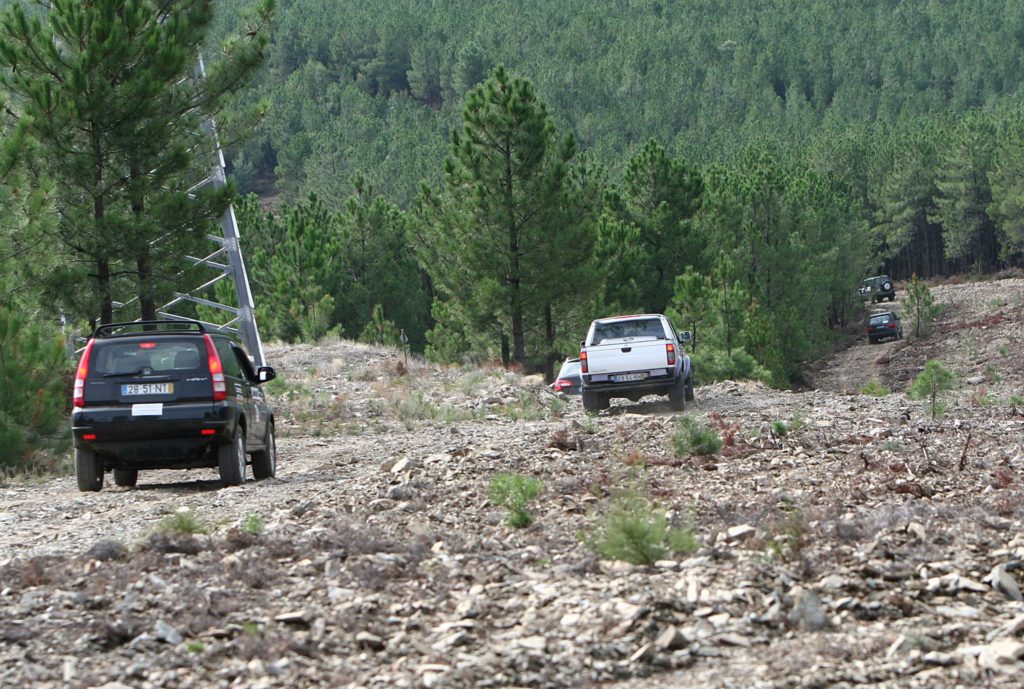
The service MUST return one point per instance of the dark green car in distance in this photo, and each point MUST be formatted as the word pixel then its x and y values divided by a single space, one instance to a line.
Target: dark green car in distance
pixel 877 289
pixel 169 395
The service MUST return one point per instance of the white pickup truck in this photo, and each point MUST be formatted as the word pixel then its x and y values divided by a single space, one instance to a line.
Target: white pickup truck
pixel 633 356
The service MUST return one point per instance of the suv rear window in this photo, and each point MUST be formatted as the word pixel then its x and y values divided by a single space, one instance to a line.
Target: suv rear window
pixel 156 355
pixel 881 319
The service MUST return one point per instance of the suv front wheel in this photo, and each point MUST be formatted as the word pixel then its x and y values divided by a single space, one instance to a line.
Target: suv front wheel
pixel 231 459
pixel 264 462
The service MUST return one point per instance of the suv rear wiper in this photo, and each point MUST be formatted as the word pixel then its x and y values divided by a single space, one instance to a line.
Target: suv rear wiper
pixel 136 372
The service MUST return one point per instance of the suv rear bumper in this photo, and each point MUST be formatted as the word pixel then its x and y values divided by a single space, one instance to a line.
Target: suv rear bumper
pixel 172 440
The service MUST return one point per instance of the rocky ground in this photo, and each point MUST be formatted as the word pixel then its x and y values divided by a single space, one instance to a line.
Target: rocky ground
pixel 841 539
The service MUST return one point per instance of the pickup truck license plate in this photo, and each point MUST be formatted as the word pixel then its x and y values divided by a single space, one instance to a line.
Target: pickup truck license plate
pixel 626 377
pixel 147 389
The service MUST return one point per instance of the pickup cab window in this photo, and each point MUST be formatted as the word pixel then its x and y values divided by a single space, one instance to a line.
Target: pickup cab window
pixel 648 328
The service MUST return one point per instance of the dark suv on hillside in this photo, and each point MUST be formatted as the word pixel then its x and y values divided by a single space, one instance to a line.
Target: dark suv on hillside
pixel 877 289
pixel 169 395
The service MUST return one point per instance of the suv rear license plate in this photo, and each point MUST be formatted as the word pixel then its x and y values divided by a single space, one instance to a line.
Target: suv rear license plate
pixel 626 377
pixel 130 389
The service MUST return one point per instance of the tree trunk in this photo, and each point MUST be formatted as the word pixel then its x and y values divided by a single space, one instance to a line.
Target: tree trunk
pixel 147 302
pixel 103 280
pixel 549 340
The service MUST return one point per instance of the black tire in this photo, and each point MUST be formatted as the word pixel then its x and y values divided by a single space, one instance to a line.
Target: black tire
pixel 892 297
pixel 677 395
pixel 126 477
pixel 231 459
pixel 88 470
pixel 592 401
pixel 264 462
pixel 689 388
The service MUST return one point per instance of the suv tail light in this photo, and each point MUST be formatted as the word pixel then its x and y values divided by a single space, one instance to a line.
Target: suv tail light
pixel 78 396
pixel 562 384
pixel 220 387
pixel 670 352
pixel 583 362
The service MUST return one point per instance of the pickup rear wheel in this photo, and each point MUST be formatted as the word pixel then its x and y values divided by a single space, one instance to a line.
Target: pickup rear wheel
pixel 88 470
pixel 595 401
pixel 677 395
pixel 689 388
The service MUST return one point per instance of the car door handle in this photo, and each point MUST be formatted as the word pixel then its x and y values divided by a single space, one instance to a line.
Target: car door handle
pixel 627 350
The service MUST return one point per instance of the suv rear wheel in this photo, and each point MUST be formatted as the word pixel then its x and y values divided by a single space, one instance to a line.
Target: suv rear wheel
pixel 126 477
pixel 231 459
pixel 88 470
pixel 264 462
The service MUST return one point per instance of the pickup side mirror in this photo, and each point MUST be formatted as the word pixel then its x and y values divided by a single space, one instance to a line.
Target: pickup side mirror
pixel 583 343
pixel 685 336
pixel 265 374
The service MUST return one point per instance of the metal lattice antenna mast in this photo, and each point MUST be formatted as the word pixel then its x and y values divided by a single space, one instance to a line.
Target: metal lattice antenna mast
pixel 231 264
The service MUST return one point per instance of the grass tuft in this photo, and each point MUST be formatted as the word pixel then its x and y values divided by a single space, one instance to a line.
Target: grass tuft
pixel 514 492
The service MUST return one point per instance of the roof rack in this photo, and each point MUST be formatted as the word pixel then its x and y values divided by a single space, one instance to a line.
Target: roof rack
pixel 133 328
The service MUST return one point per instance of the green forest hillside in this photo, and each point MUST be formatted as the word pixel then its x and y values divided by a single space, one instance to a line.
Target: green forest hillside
pixel 373 87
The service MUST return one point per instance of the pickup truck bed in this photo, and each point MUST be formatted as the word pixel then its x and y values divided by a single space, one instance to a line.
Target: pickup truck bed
pixel 633 356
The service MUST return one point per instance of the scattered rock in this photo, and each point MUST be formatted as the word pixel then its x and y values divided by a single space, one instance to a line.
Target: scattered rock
pixel 167 633
pixel 806 614
pixel 1004 582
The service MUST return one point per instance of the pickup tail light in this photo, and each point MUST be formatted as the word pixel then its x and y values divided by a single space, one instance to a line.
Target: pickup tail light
pixel 78 396
pixel 583 362
pixel 220 387
pixel 670 352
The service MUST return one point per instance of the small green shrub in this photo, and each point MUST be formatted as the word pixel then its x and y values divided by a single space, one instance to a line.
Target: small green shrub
pixel 780 428
pixel 789 534
pixel 636 531
pixel 681 540
pixel 589 424
pixel 711 364
pixel 195 646
pixel 695 438
pixel 182 522
pixel 933 382
pixel 875 389
pixel 526 408
pixel 514 492
pixel 1016 401
pixel 254 525
pixel 992 374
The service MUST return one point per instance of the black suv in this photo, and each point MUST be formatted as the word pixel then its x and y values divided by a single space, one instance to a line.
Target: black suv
pixel 169 395
pixel 884 325
pixel 877 289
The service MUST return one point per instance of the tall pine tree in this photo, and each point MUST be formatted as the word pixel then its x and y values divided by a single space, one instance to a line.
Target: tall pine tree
pixel 508 235
pixel 107 88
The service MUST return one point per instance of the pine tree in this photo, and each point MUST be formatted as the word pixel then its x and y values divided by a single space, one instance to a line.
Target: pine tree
pixel 965 195
pixel 32 367
pixel 507 236
pixel 659 196
pixel 934 381
pixel 921 307
pixel 106 87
